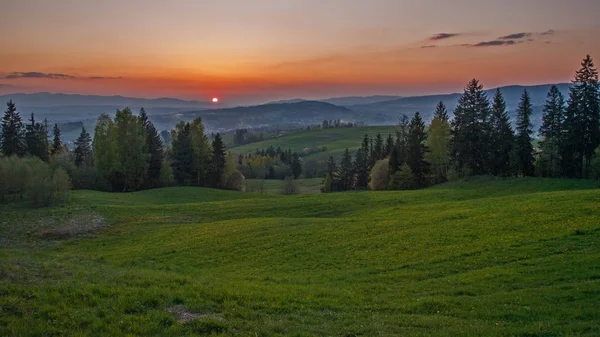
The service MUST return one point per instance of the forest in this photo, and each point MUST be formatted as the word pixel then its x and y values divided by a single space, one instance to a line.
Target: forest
pixel 127 153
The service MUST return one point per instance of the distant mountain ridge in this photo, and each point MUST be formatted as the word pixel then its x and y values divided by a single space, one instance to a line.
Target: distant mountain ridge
pixel 45 99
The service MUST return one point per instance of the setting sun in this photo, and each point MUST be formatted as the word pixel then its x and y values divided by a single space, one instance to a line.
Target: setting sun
pixel 215 100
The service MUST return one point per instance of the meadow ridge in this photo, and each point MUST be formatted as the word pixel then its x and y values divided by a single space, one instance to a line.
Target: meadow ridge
pixel 485 257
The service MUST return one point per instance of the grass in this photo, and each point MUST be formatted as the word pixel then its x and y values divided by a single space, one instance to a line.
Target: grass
pixel 487 257
pixel 335 140
pixel 305 186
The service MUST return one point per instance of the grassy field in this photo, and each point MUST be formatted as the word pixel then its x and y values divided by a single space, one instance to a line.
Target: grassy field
pixel 487 257
pixel 305 186
pixel 335 140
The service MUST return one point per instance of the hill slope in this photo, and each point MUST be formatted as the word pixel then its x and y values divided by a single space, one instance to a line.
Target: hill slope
pixel 453 260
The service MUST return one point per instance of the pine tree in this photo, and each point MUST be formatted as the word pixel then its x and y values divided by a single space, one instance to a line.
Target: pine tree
pixel 182 156
pixel 12 135
pixel 586 84
pixel 551 133
pixel 218 160
pixel 398 155
pixel 154 148
pixel 571 158
pixel 36 139
pixel 389 145
pixel 523 146
pixel 502 137
pixel 416 150
pixel 83 152
pixel 346 173
pixel 470 131
pixel 378 148
pixel 440 112
pixel 57 145
pixel 331 182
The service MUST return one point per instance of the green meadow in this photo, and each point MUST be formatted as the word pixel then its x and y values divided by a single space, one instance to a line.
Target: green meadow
pixel 485 257
pixel 336 141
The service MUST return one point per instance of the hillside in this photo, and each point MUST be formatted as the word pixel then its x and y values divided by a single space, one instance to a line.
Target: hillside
pixel 481 258
pixel 335 141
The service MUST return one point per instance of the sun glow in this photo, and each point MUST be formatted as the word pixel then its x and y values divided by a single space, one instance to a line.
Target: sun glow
pixel 215 100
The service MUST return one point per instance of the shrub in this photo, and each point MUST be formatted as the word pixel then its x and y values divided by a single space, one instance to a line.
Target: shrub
pixel 236 181
pixel 289 186
pixel 380 175
pixel 404 179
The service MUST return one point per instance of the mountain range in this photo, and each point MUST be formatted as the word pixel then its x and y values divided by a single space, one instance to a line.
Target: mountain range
pixel 166 112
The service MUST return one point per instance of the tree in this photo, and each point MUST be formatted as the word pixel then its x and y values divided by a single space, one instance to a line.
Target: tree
pixel 346 174
pixel 105 148
pixel 502 137
pixel 587 112
pixel 404 179
pixel 380 175
pixel 470 124
pixel 523 145
pixel 132 157
pixel 296 165
pixel 289 186
pixel 83 149
pixel 440 112
pixel 202 156
pixel 389 145
pixel 218 160
pixel 398 155
pixel 36 139
pixel 416 150
pixel 182 156
pixel 361 164
pixel 12 135
pixel 551 134
pixel 154 148
pixel 57 145
pixel 378 148
pixel 438 142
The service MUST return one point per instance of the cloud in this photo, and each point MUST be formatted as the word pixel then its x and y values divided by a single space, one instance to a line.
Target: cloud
pixel 429 46
pixel 104 78
pixel 515 36
pixel 494 43
pixel 34 74
pixel 443 36
pixel 548 32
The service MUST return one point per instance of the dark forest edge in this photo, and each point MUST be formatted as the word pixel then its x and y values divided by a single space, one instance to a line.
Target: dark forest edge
pixel 128 154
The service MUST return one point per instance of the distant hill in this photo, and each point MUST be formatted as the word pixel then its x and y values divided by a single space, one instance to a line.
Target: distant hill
pixel 426 104
pixel 44 99
pixel 300 113
pixel 354 100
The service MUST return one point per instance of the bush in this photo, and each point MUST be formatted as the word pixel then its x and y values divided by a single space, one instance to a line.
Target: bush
pixel 404 179
pixel 33 180
pixel 166 178
pixel 380 175
pixel 236 181
pixel 289 186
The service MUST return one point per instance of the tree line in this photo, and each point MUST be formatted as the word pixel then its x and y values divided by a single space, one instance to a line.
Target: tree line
pixel 480 140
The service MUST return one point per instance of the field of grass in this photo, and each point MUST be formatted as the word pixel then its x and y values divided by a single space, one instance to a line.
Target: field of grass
pixel 488 257
pixel 335 140
pixel 305 186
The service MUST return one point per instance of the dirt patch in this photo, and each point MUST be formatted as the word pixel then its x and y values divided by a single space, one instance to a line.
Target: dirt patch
pixel 81 225
pixel 183 315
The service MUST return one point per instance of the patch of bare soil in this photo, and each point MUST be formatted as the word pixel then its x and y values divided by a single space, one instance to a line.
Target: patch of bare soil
pixel 183 315
pixel 81 225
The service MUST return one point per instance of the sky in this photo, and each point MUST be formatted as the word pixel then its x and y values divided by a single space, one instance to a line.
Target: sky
pixel 258 50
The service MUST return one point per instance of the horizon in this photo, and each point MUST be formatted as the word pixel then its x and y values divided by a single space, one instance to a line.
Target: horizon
pixel 268 51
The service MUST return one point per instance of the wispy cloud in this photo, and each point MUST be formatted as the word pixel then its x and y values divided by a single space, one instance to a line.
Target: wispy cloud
pixel 515 36
pixel 443 36
pixel 493 43
pixel 51 76
pixel 548 32
pixel 429 46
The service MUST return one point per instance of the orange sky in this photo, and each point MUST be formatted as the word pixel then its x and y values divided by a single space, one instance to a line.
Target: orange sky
pixel 250 51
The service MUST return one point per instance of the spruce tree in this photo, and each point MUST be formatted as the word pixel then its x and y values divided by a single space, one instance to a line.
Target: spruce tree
pixel 470 131
pixel 57 145
pixel 378 148
pixel 83 152
pixel 570 155
pixel 523 145
pixel 389 145
pixel 551 133
pixel 586 84
pixel 331 182
pixel 440 112
pixel 346 173
pixel 182 156
pixel 36 139
pixel 416 150
pixel 154 148
pixel 218 160
pixel 12 133
pixel 502 137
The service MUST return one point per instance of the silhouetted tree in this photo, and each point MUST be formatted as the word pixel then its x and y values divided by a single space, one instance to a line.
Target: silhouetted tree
pixel 57 145
pixel 218 158
pixel 440 112
pixel 154 148
pixel 523 147
pixel 83 149
pixel 346 174
pixel 12 134
pixel 551 134
pixel 416 150
pixel 502 137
